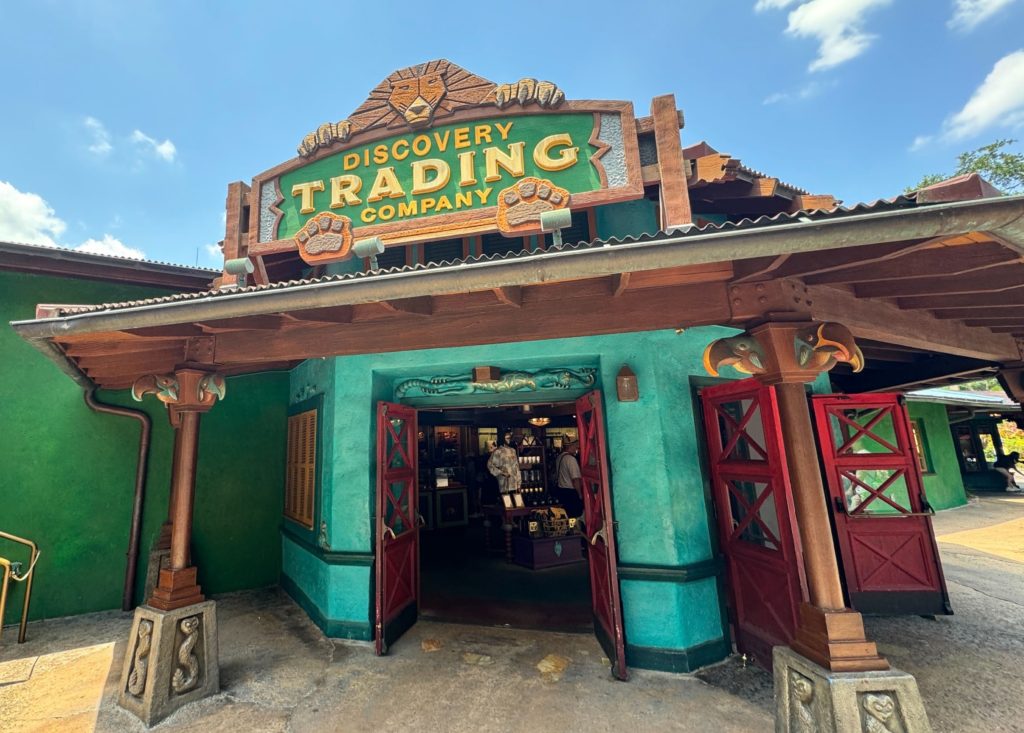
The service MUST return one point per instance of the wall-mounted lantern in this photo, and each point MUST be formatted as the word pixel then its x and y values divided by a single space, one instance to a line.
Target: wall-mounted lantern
pixel 626 385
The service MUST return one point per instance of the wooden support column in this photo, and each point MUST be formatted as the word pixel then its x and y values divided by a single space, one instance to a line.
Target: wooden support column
pixel 794 354
pixel 163 541
pixel 187 393
pixel 675 196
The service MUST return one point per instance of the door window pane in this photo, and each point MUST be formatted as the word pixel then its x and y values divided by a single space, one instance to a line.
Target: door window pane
pixel 763 528
pixel 876 491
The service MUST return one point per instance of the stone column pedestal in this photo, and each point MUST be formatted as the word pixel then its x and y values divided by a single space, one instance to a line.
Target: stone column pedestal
pixel 809 698
pixel 171 660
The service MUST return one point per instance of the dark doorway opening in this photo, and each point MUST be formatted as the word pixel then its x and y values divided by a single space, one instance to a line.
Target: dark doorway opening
pixel 478 563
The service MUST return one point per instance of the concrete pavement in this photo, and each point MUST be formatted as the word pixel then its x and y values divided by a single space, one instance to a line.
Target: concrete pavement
pixel 279 673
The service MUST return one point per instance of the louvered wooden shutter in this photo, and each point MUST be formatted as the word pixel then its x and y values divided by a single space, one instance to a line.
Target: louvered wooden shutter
pixel 300 468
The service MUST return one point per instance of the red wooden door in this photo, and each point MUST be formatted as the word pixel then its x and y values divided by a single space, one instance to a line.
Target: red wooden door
pixel 754 509
pixel 599 528
pixel 397 565
pixel 882 518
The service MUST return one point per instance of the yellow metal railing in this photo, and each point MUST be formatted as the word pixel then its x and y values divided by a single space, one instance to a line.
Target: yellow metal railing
pixel 12 571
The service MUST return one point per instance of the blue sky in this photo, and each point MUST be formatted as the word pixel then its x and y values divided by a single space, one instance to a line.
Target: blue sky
pixel 123 122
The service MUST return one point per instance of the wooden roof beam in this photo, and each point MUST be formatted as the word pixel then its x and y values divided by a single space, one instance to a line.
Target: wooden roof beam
pixel 1008 297
pixel 881 321
pixel 247 323
pixel 835 261
pixel 336 314
pixel 993 311
pixel 420 306
pixel 1002 278
pixel 937 262
pixel 511 295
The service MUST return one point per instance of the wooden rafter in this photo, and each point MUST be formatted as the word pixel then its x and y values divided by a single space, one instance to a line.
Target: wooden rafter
pixel 1003 278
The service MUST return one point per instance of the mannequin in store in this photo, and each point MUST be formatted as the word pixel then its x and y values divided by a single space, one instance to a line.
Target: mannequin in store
pixel 504 465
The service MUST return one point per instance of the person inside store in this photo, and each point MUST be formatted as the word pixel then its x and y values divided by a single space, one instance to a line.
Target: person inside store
pixel 568 480
pixel 1007 466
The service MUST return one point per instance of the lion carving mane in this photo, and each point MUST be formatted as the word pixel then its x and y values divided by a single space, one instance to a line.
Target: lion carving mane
pixel 416 96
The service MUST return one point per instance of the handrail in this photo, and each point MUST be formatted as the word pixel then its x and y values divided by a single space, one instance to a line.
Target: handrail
pixel 9 572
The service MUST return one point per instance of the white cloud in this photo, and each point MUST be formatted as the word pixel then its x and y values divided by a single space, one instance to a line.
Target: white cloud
pixel 27 218
pixel 110 246
pixel 838 26
pixel 772 4
pixel 920 142
pixel 165 150
pixel 214 253
pixel 807 91
pixel 968 14
pixel 999 101
pixel 101 144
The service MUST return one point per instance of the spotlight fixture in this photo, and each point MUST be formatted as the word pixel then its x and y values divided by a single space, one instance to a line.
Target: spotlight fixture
pixel 370 247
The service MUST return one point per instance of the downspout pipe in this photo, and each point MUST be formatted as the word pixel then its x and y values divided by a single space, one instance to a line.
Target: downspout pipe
pixel 128 596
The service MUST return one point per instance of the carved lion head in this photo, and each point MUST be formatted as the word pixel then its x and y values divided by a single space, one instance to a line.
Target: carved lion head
pixel 417 98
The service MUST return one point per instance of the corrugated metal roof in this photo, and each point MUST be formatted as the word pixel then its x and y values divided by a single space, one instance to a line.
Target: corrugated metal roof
pixel 966 397
pixel 763 222
pixel 44 250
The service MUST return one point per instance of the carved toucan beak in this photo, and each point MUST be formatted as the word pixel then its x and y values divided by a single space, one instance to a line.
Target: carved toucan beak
pixel 716 354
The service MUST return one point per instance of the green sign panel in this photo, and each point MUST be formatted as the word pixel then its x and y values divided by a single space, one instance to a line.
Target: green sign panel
pixel 449 169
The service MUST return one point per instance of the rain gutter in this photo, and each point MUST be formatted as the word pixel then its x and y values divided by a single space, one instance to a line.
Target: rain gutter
pixel 1000 217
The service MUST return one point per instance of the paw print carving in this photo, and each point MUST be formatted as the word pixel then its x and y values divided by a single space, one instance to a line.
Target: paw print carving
pixel 522 204
pixel 327 134
pixel 325 234
pixel 526 91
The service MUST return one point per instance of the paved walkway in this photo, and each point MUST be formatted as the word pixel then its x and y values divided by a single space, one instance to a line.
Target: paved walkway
pixel 279 673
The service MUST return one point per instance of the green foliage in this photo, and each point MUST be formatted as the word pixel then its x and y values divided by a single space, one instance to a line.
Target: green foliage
pixel 1003 169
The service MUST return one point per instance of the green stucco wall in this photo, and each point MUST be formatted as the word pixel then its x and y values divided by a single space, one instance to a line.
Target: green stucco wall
pixel 67 474
pixel 944 487
pixel 657 486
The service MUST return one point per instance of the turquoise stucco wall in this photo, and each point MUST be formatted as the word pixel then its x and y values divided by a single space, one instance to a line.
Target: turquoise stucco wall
pixel 67 474
pixel 657 486
pixel 945 486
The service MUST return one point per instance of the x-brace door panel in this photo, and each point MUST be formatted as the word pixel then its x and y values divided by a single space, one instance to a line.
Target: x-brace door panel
pixel 882 518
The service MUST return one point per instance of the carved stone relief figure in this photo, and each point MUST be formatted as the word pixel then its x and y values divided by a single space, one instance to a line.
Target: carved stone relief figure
pixel 880 714
pixel 137 678
pixel 187 674
pixel 801 693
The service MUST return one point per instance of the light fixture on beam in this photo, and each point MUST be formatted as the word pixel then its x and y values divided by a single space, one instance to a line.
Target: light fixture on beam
pixel 539 422
pixel 370 247
pixel 484 374
pixel 555 221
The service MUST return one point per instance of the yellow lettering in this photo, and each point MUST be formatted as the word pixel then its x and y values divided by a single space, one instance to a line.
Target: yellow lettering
pixel 442 142
pixel 443 204
pixel 483 194
pixel 462 138
pixel 566 157
pixel 421 145
pixel 386 212
pixel 385 185
pixel 463 200
pixel 482 134
pixel 512 161
pixel 344 190
pixel 441 170
pixel 426 204
pixel 380 154
pixel 394 149
pixel 368 215
pixel 366 158
pixel 503 129
pixel 350 161
pixel 407 209
pixel 305 190
pixel 467 176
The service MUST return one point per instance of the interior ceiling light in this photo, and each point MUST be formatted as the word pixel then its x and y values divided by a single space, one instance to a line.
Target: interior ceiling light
pixel 539 421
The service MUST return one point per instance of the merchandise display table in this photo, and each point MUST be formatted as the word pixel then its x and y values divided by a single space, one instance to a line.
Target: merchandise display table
pixel 509 518
pixel 547 552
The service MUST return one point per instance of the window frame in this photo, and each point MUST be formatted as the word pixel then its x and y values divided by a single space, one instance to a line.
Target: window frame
pixel 922 451
pixel 296 523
